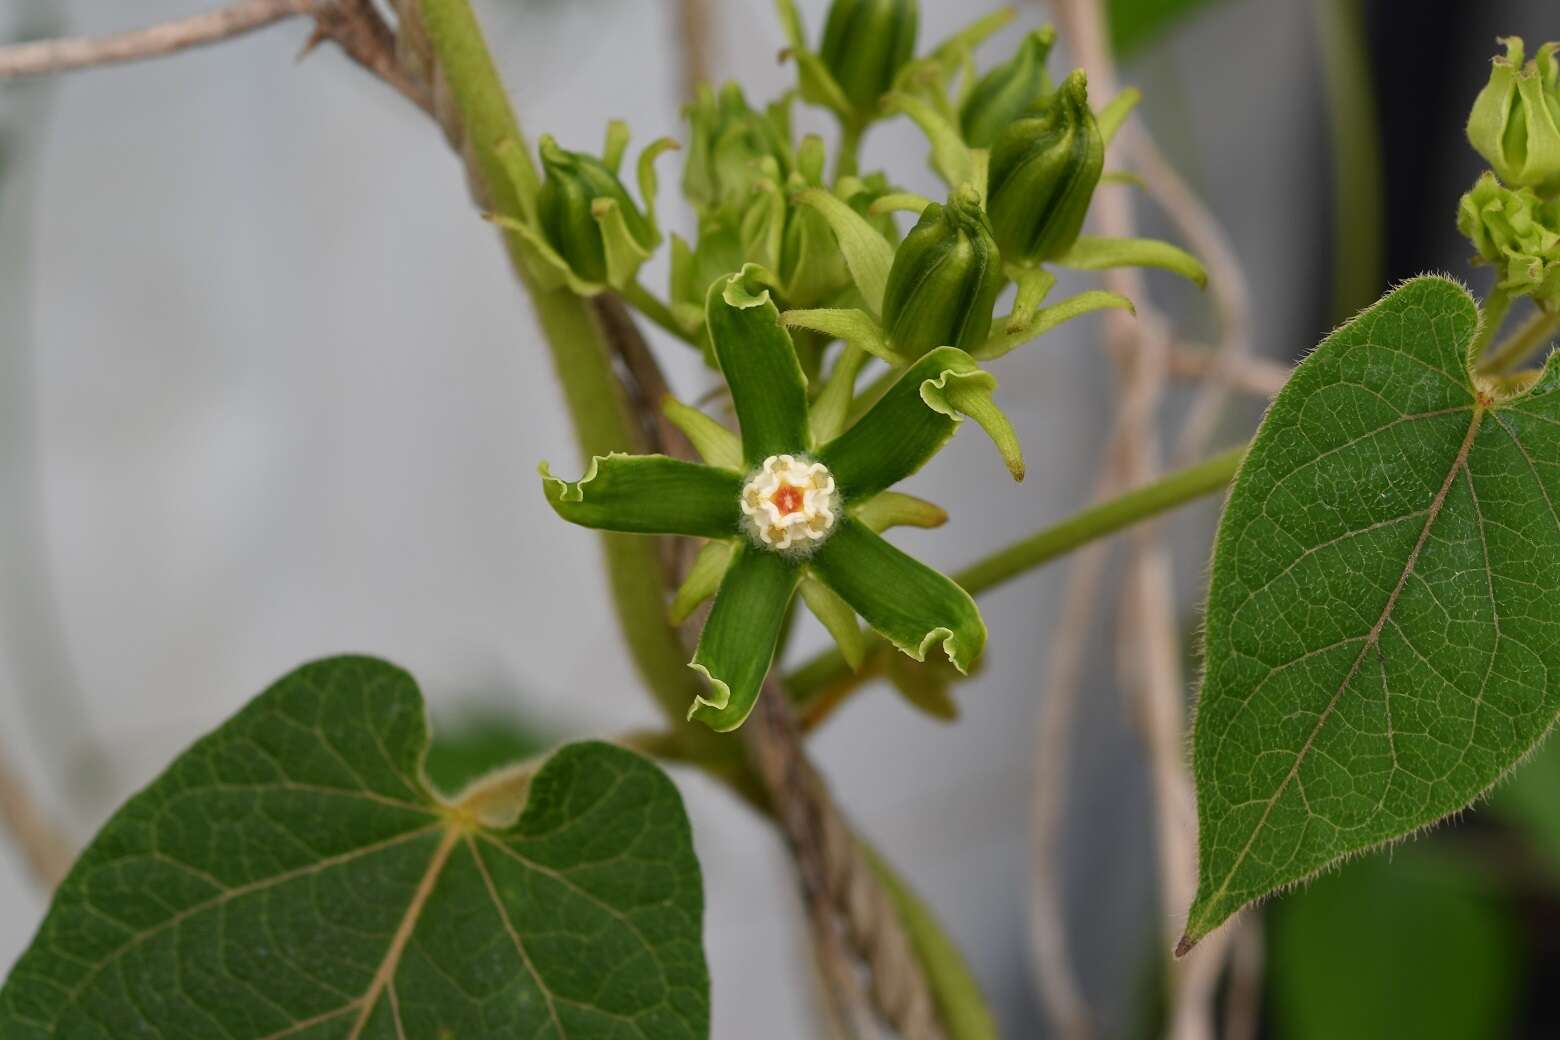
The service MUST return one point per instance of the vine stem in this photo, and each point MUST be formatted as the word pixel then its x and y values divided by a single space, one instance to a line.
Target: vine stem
pixel 1535 332
pixel 471 104
pixel 1496 304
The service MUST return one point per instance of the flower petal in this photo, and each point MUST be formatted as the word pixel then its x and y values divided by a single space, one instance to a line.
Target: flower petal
pixel 768 389
pixel 649 494
pixel 911 422
pixel 911 605
pixel 738 642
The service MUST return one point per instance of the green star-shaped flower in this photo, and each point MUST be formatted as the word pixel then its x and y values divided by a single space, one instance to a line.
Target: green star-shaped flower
pixel 782 512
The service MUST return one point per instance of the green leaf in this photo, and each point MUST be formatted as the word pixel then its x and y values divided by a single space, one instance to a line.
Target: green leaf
pixel 739 639
pixel 1135 24
pixel 649 494
pixel 292 875
pixel 1382 639
pixel 768 389
pixel 1419 945
pixel 911 605
pixel 910 423
pixel 868 255
pixel 1091 253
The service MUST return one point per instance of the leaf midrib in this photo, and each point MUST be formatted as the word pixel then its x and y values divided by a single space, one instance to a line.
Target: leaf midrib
pixel 1370 641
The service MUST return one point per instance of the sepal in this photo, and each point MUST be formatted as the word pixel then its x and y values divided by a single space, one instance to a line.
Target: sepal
pixel 868 255
pixel 837 619
pixel 888 509
pixel 704 577
pixel 716 445
pixel 1047 318
pixel 1092 253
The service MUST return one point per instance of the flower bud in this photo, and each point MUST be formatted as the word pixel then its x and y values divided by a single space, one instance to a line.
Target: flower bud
pixel 1515 122
pixel 1519 234
pixel 1008 91
pixel 729 142
pixel 565 209
pixel 1042 176
pixel 865 44
pixel 944 280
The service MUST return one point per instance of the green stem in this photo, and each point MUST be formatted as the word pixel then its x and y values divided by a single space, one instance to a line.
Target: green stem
pixel 581 356
pixel 1537 331
pixel 650 305
pixel 1496 304
pixel 849 159
pixel 960 1003
pixel 818 685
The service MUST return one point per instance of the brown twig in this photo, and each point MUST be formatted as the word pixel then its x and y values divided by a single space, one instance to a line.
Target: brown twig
pixel 354 25
pixel 694 22
pixel 1249 375
pixel 1226 283
pixel 46 56
pixel 1150 659
pixel 47 854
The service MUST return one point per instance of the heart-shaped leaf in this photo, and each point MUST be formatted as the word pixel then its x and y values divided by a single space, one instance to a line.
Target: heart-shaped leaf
pixel 292 875
pixel 1383 630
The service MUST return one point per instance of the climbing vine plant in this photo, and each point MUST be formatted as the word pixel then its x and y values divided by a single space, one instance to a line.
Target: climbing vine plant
pixel 1381 633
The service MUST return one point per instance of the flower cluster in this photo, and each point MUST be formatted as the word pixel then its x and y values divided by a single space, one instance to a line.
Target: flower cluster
pixel 795 505
pixel 786 510
pixel 1512 214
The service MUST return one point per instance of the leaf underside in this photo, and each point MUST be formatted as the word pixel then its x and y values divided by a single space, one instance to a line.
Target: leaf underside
pixel 1383 628
pixel 291 875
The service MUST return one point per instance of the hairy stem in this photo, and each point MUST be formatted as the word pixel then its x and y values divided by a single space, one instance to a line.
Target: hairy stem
pixel 820 678
pixel 1535 332
pixel 597 406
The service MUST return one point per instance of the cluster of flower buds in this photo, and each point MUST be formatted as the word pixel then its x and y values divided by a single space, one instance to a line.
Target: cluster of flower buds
pixel 580 227
pixel 792 504
pixel 748 184
pixel 1512 215
pixel 1518 233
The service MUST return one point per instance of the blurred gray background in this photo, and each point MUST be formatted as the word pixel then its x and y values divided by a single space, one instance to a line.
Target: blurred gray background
pixel 268 393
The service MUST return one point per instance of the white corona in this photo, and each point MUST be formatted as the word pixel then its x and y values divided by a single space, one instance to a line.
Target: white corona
pixel 790 504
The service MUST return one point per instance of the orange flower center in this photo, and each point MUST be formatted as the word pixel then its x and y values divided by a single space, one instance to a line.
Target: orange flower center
pixel 787 499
